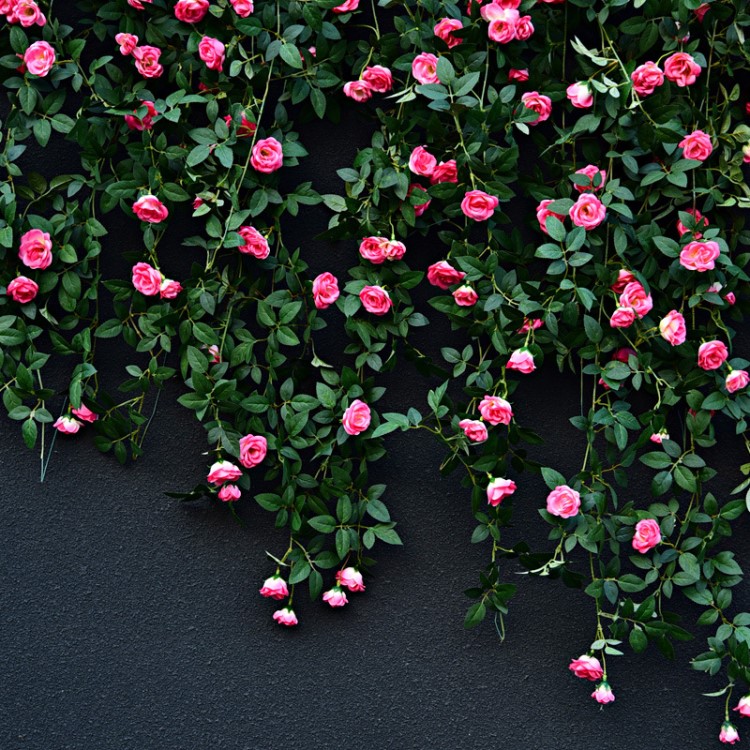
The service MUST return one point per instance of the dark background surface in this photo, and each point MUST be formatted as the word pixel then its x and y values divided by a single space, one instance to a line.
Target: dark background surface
pixel 131 621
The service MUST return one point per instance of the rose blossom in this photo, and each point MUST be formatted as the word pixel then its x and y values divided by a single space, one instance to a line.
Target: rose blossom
pixel 701 11
pixel 336 597
pixel 22 289
pixel 587 668
pixel 563 501
pixel 85 414
pixel 375 300
pixel 27 13
pixel 465 296
pixel 580 95
pixel 213 350
pixel 243 8
pixel 729 733
pixel 699 256
pixel 419 208
pixel 498 490
pixel 424 68
pixel 246 127
pixel 39 58
pixel 149 208
pixel 393 250
pixel 360 90
pixel 530 324
pixel 588 211
pixel 169 289
pixel 351 579
pixel 479 205
pixel 346 7
pixel 540 103
pixel 446 171
pixel 138 4
pixel 634 295
pixel 591 171
pixel 191 11
pixel 524 28
pixel 646 78
pixel 622 317
pixel 502 20
pixel 325 290
pixel 603 693
pixel 268 155
pixel 672 328
pixel 444 29
pixel 146 279
pixel 442 274
pixel 696 145
pixel 737 380
pixel 35 250
pixel 274 588
pixel 422 162
pixel 253 449
pixel 743 706
pixel 521 360
pixel 543 213
pixel 379 78
pixel 211 51
pixel 475 430
pixel 712 355
pixel 285 616
pixel 147 61
pixel 373 249
pixel 67 425
pixel 495 410
pixel 681 68
pixel 223 471
pixel 229 493
pixel 700 220
pixel 624 277
pixel 516 74
pixel 146 122
pixel 746 153
pixel 255 243
pixel 647 535
pixel 356 418
pixel 127 42
pixel 659 437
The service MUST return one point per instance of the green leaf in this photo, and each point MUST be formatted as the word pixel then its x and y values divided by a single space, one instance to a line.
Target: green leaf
pixel 291 56
pixel 475 615
pixel 323 524
pixel 378 511
pixel 638 640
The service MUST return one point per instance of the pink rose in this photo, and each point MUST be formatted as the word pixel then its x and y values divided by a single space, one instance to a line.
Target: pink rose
pixel 465 296
pixel 701 11
pixel 634 295
pixel 622 317
pixel 213 350
pixel 147 61
pixel 191 11
pixel 223 471
pixel 521 360
pixel 659 437
pixel 540 103
pixel 424 68
pixel 524 28
pixel 138 4
pixel 375 300
pixel 39 58
pixel 274 588
pixel 351 579
pixel 563 501
pixel 737 380
pixel 419 208
pixel 624 277
pixel 336 597
pixel 211 51
pixel 587 668
pixel 169 289
pixel 149 208
pixel 253 449
pixel 25 12
pixel 255 243
pixel 360 91
pixel 286 616
pixel 603 693
pixel 146 280
pixel 479 205
pixel 422 162
pixel 516 74
pixel 580 95
pixel 35 250
pixel 475 430
pixel 672 328
pixel 503 22
pixel 446 171
pixel 393 250
pixel 700 220
pixel 325 290
pixel 22 290
pixel 127 42
pixel 712 355
pixel 246 127
pixel 373 249
pixel 495 410
pixel 591 171
pixel 498 490
pixel 647 535
pixel 743 706
pixel 243 8
pixel 588 211
pixel 146 122
pixel 699 256
pixel 378 78
pixel 543 213
pixel 444 29
pixel 443 275
pixel 356 418
pixel 746 153
pixel 729 733
pixel 267 156
pixel 646 78
pixel 530 324
pixel 696 145
pixel 681 68
pixel 346 7
pixel 229 493
pixel 67 425
pixel 85 414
